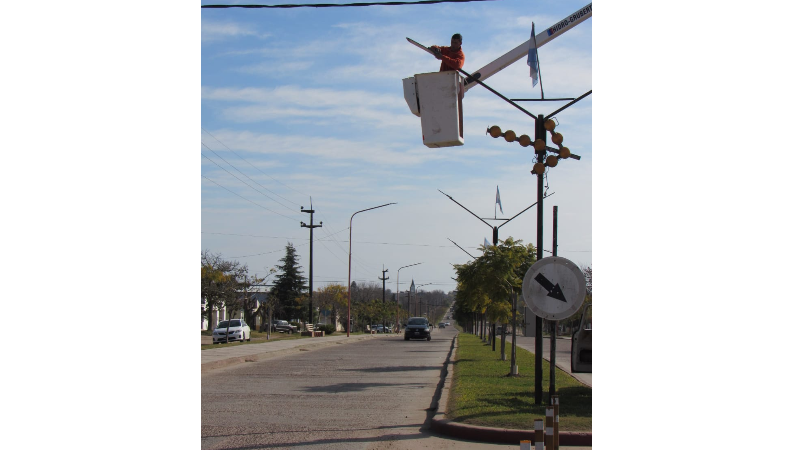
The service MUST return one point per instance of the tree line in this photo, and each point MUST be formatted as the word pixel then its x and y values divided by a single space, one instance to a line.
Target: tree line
pixel 226 284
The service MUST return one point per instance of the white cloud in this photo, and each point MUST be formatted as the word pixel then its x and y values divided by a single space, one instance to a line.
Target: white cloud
pixel 218 31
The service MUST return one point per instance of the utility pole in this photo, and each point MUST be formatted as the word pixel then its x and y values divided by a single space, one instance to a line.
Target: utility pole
pixel 310 260
pixel 384 278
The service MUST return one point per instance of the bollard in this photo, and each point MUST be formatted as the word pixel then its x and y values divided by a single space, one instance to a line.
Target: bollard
pixel 548 428
pixel 524 445
pixel 538 434
pixel 554 401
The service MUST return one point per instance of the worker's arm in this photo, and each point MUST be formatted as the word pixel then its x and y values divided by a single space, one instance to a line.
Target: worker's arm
pixel 453 62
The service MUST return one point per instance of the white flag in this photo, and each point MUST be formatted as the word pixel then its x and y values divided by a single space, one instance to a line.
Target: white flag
pixel 533 60
pixel 497 199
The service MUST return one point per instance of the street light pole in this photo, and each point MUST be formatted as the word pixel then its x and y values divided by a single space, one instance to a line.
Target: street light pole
pixel 397 289
pixel 540 133
pixel 419 299
pixel 350 260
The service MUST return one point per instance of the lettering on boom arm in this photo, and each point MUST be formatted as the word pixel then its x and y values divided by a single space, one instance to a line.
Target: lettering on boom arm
pixel 563 24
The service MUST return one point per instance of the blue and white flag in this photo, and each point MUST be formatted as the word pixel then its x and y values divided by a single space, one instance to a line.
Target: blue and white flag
pixel 533 58
pixel 497 200
pixel 486 243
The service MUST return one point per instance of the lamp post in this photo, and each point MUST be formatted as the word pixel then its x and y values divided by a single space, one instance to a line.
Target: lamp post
pixel 397 288
pixel 350 260
pixel 418 298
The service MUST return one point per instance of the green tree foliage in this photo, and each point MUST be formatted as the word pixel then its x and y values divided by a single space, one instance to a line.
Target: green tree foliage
pixel 486 283
pixel 290 287
pixel 333 299
pixel 221 283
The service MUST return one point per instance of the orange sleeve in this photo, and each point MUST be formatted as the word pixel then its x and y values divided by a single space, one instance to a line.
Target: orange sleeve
pixel 456 61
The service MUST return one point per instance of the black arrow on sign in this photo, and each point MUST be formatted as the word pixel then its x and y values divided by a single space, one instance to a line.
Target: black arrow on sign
pixel 552 291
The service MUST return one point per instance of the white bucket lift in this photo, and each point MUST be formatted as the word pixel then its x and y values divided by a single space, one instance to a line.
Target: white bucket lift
pixel 436 98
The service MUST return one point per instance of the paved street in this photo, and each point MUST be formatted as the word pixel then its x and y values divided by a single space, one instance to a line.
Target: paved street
pixel 339 397
pixel 365 394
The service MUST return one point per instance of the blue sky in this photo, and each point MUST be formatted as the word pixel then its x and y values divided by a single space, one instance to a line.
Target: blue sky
pixel 309 102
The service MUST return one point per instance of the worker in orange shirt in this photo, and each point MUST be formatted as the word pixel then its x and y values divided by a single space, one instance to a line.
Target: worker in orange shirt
pixel 452 57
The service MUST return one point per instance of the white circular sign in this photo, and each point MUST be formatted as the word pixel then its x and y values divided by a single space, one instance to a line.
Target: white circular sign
pixel 554 288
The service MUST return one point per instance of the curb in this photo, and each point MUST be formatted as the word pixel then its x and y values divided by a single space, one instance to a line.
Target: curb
pixel 447 427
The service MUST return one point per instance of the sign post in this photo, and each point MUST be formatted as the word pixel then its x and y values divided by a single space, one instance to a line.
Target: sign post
pixel 553 288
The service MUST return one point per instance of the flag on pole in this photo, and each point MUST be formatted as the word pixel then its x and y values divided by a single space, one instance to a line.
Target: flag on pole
pixel 497 200
pixel 486 243
pixel 533 58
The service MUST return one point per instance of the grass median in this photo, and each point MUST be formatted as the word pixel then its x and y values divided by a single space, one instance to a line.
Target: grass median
pixel 483 394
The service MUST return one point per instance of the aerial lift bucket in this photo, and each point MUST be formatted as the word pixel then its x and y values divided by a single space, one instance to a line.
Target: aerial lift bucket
pixel 436 98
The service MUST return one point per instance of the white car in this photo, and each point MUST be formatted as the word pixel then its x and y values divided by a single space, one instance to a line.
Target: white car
pixel 236 330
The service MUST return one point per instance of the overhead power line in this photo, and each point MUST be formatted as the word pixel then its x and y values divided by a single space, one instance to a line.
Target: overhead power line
pixel 339 5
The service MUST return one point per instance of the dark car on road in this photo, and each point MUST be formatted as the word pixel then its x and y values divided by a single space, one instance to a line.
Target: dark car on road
pixel 283 326
pixel 418 328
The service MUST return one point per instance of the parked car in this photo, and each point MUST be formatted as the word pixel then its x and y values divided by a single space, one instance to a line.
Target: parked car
pixel 418 328
pixel 378 328
pixel 283 326
pixel 231 330
pixel 447 324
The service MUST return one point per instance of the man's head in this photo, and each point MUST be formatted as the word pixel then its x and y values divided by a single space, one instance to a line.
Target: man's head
pixel 455 42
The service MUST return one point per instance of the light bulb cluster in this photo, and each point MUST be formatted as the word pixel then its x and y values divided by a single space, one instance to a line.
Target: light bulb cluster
pixel 539 144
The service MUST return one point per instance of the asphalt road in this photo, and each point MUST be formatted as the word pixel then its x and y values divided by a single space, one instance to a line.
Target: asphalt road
pixel 366 394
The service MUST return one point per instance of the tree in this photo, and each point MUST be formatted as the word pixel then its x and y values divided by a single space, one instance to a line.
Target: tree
pixel 221 282
pixel 587 272
pixel 265 310
pixel 290 286
pixel 333 298
pixel 494 278
pixel 250 304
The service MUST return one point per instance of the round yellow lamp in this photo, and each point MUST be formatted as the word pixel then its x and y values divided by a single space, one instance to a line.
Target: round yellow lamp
pixel 524 140
pixel 495 131
pixel 549 125
pixel 557 138
pixel 552 160
pixel 539 145
pixel 538 169
pixel 510 136
pixel 564 153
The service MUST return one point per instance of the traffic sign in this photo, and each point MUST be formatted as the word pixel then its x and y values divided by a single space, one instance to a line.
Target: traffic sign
pixel 554 288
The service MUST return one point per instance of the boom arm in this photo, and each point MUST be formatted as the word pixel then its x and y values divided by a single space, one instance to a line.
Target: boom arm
pixel 522 49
